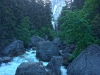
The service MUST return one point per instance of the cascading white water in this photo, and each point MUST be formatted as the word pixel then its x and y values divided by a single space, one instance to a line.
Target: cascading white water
pixel 56 6
pixel 10 68
pixel 29 56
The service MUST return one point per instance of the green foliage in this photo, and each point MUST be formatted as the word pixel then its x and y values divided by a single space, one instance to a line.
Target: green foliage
pixel 43 32
pixel 96 26
pixel 78 4
pixel 81 27
pixel 22 31
pixel 21 19
pixel 76 28
pixel 92 8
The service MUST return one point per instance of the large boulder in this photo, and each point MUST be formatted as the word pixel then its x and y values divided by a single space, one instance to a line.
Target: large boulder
pixel 46 50
pixel 54 66
pixel 66 53
pixel 69 49
pixel 35 40
pixel 59 43
pixel 15 48
pixel 86 63
pixel 29 68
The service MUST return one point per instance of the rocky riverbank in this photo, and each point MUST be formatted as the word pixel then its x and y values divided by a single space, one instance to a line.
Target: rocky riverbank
pixel 57 54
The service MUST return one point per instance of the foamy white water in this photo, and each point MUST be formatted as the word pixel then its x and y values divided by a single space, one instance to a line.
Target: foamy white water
pixel 29 56
pixel 10 68
pixel 63 70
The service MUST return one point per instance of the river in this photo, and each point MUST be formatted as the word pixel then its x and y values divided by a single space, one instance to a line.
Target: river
pixel 29 56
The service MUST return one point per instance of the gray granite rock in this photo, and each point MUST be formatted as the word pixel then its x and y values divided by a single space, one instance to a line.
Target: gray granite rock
pixel 86 63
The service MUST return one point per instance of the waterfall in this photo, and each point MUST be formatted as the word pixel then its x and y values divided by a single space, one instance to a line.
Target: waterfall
pixel 56 6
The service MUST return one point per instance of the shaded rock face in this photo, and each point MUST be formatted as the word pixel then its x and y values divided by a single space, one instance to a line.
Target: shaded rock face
pixel 54 66
pixel 35 40
pixel 58 42
pixel 86 63
pixel 5 59
pixel 27 68
pixel 15 48
pixel 46 50
pixel 69 49
pixel 66 53
pixel 66 62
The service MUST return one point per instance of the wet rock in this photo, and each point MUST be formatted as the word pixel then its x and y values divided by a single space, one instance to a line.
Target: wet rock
pixel 56 40
pixel 29 68
pixel 66 62
pixel 59 43
pixel 86 63
pixel 35 40
pixel 54 66
pixel 66 53
pixel 15 48
pixel 5 59
pixel 69 49
pixel 46 50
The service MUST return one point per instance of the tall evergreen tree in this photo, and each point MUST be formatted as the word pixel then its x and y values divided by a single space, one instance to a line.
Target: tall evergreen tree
pixel 23 18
